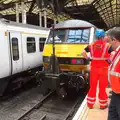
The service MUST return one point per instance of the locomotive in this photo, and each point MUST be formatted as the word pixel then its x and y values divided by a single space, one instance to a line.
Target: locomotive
pixel 21 52
pixel 65 70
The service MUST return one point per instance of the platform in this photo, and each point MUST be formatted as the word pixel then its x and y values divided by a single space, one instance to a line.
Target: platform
pixel 84 113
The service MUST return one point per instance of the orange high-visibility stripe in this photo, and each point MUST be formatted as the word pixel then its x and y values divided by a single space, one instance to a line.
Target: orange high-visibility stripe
pixel 114 76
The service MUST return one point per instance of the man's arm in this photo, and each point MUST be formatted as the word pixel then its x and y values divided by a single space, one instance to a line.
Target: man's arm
pixel 84 52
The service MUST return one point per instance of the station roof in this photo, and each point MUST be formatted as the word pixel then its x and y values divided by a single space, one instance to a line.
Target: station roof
pixel 102 13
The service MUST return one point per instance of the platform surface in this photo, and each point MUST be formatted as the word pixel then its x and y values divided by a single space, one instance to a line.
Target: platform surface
pixel 96 113
pixel 84 113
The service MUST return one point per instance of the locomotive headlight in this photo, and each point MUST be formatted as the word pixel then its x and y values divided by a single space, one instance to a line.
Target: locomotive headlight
pixel 46 59
pixel 77 61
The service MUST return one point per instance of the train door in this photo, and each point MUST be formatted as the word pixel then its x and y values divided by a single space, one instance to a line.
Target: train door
pixel 16 52
pixel 41 44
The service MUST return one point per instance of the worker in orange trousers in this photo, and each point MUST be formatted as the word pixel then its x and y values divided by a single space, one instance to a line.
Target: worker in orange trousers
pixel 98 69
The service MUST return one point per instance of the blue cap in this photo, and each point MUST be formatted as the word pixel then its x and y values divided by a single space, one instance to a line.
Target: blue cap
pixel 100 33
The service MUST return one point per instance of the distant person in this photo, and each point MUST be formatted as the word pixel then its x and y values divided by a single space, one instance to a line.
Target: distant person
pixel 107 36
pixel 98 69
pixel 114 76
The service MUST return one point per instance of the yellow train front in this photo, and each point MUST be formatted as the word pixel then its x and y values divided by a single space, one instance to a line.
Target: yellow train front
pixel 70 38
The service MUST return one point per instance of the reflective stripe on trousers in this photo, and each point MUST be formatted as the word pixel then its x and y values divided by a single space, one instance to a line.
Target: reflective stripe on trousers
pixel 98 75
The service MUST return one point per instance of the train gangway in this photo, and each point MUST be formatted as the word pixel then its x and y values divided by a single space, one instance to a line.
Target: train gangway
pixel 84 113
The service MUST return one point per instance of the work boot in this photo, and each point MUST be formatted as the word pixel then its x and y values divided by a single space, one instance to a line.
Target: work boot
pixel 90 106
pixel 110 92
pixel 110 96
pixel 103 107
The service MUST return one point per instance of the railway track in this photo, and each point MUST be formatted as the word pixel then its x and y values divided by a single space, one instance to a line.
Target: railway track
pixel 32 105
pixel 14 106
pixel 52 108
pixel 36 106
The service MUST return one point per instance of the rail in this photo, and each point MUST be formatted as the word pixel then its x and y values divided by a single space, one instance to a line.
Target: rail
pixel 36 106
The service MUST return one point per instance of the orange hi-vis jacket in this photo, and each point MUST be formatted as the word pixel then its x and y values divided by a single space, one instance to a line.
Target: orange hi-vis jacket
pixel 99 53
pixel 114 72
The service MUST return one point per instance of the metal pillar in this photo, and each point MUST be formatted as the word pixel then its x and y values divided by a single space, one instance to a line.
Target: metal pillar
pixel 45 18
pixel 40 18
pixel 23 13
pixel 54 21
pixel 17 13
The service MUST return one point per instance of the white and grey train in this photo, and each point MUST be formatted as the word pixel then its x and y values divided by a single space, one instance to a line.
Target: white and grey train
pixel 21 50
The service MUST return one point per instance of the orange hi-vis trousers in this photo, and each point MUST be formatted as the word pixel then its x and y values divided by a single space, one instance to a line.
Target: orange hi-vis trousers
pixel 98 74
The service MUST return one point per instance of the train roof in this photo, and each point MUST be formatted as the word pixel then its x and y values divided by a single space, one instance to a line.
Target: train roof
pixel 11 23
pixel 74 24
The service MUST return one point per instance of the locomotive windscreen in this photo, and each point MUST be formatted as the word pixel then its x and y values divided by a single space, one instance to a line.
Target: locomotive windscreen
pixel 70 36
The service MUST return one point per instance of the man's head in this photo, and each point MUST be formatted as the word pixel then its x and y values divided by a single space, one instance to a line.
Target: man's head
pixel 107 36
pixel 99 34
pixel 114 34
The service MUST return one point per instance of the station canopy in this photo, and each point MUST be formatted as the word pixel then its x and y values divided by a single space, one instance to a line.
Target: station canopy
pixel 102 13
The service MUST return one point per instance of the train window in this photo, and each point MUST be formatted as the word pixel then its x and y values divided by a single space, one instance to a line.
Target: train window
pixel 15 49
pixel 31 47
pixel 41 43
pixel 78 36
pixel 59 36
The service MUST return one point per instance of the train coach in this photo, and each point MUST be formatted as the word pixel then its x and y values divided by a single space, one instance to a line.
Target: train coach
pixel 67 40
pixel 21 52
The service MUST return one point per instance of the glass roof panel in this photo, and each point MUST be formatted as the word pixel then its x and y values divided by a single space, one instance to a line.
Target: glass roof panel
pixel 109 10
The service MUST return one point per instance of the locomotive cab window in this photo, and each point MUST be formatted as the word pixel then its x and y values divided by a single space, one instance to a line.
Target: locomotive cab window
pixel 15 49
pixel 59 36
pixel 78 36
pixel 69 36
pixel 41 43
pixel 31 47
